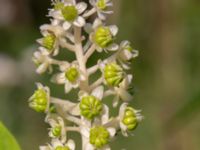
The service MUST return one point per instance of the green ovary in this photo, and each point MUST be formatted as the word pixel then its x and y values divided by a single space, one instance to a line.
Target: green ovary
pixel 130 119
pixel 39 101
pixel 101 4
pixel 113 74
pixel 90 107
pixel 62 148
pixel 56 131
pixel 128 48
pixel 49 41
pixel 103 37
pixel 99 136
pixel 72 74
pixel 70 13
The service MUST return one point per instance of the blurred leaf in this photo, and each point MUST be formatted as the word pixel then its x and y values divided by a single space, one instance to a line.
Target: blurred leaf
pixel 7 141
pixel 185 114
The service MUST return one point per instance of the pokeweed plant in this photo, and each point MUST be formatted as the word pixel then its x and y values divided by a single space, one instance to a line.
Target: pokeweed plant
pixel 69 30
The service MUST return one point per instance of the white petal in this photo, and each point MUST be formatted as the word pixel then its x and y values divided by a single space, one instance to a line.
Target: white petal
pixel 115 101
pixel 89 147
pixel 79 22
pixel 125 95
pixel 66 25
pixel 71 144
pixel 59 78
pixel 56 142
pixel 92 2
pixel 44 51
pixel 112 131
pixel 122 110
pixel 68 87
pixel 64 66
pixel 42 68
pixel 128 55
pixel 113 29
pixel 44 148
pixel 81 7
pixel 135 53
pixel 101 16
pixel 105 115
pixel 97 23
pixel 113 47
pixel 85 132
pixel 88 28
pixel 124 44
pixel 98 92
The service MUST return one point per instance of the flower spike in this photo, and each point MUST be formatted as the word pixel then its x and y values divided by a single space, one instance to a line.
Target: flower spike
pixel 86 110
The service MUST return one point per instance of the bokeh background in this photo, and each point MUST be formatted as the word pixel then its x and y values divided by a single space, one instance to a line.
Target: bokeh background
pixel 166 75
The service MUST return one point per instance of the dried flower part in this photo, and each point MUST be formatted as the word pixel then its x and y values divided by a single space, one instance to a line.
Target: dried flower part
pixel 49 41
pixel 90 107
pixel 38 101
pixel 113 74
pixel 130 118
pixel 70 13
pixel 101 4
pixel 62 148
pixel 72 74
pixel 99 136
pixel 103 37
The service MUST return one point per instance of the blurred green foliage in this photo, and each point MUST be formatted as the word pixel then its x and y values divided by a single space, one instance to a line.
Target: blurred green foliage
pixel 7 141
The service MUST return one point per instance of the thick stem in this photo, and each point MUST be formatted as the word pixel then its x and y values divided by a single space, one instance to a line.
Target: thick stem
pixel 80 58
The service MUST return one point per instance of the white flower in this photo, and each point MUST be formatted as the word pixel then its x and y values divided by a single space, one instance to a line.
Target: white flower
pixel 102 124
pixel 121 92
pixel 40 100
pixel 70 14
pixel 70 76
pixel 126 53
pixel 57 129
pixel 101 7
pixel 129 118
pixel 55 144
pixel 42 61
pixel 50 41
pixel 102 36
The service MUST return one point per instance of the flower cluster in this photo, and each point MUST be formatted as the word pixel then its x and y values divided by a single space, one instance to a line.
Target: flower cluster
pixel 89 114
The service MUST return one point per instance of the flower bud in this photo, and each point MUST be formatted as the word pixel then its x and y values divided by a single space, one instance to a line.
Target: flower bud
pixel 72 74
pixel 101 4
pixel 49 41
pixel 38 101
pixel 130 118
pixel 99 136
pixel 62 148
pixel 113 74
pixel 70 13
pixel 103 37
pixel 90 107
pixel 56 131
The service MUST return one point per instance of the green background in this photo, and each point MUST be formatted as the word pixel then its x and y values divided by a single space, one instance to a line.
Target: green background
pixel 166 75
